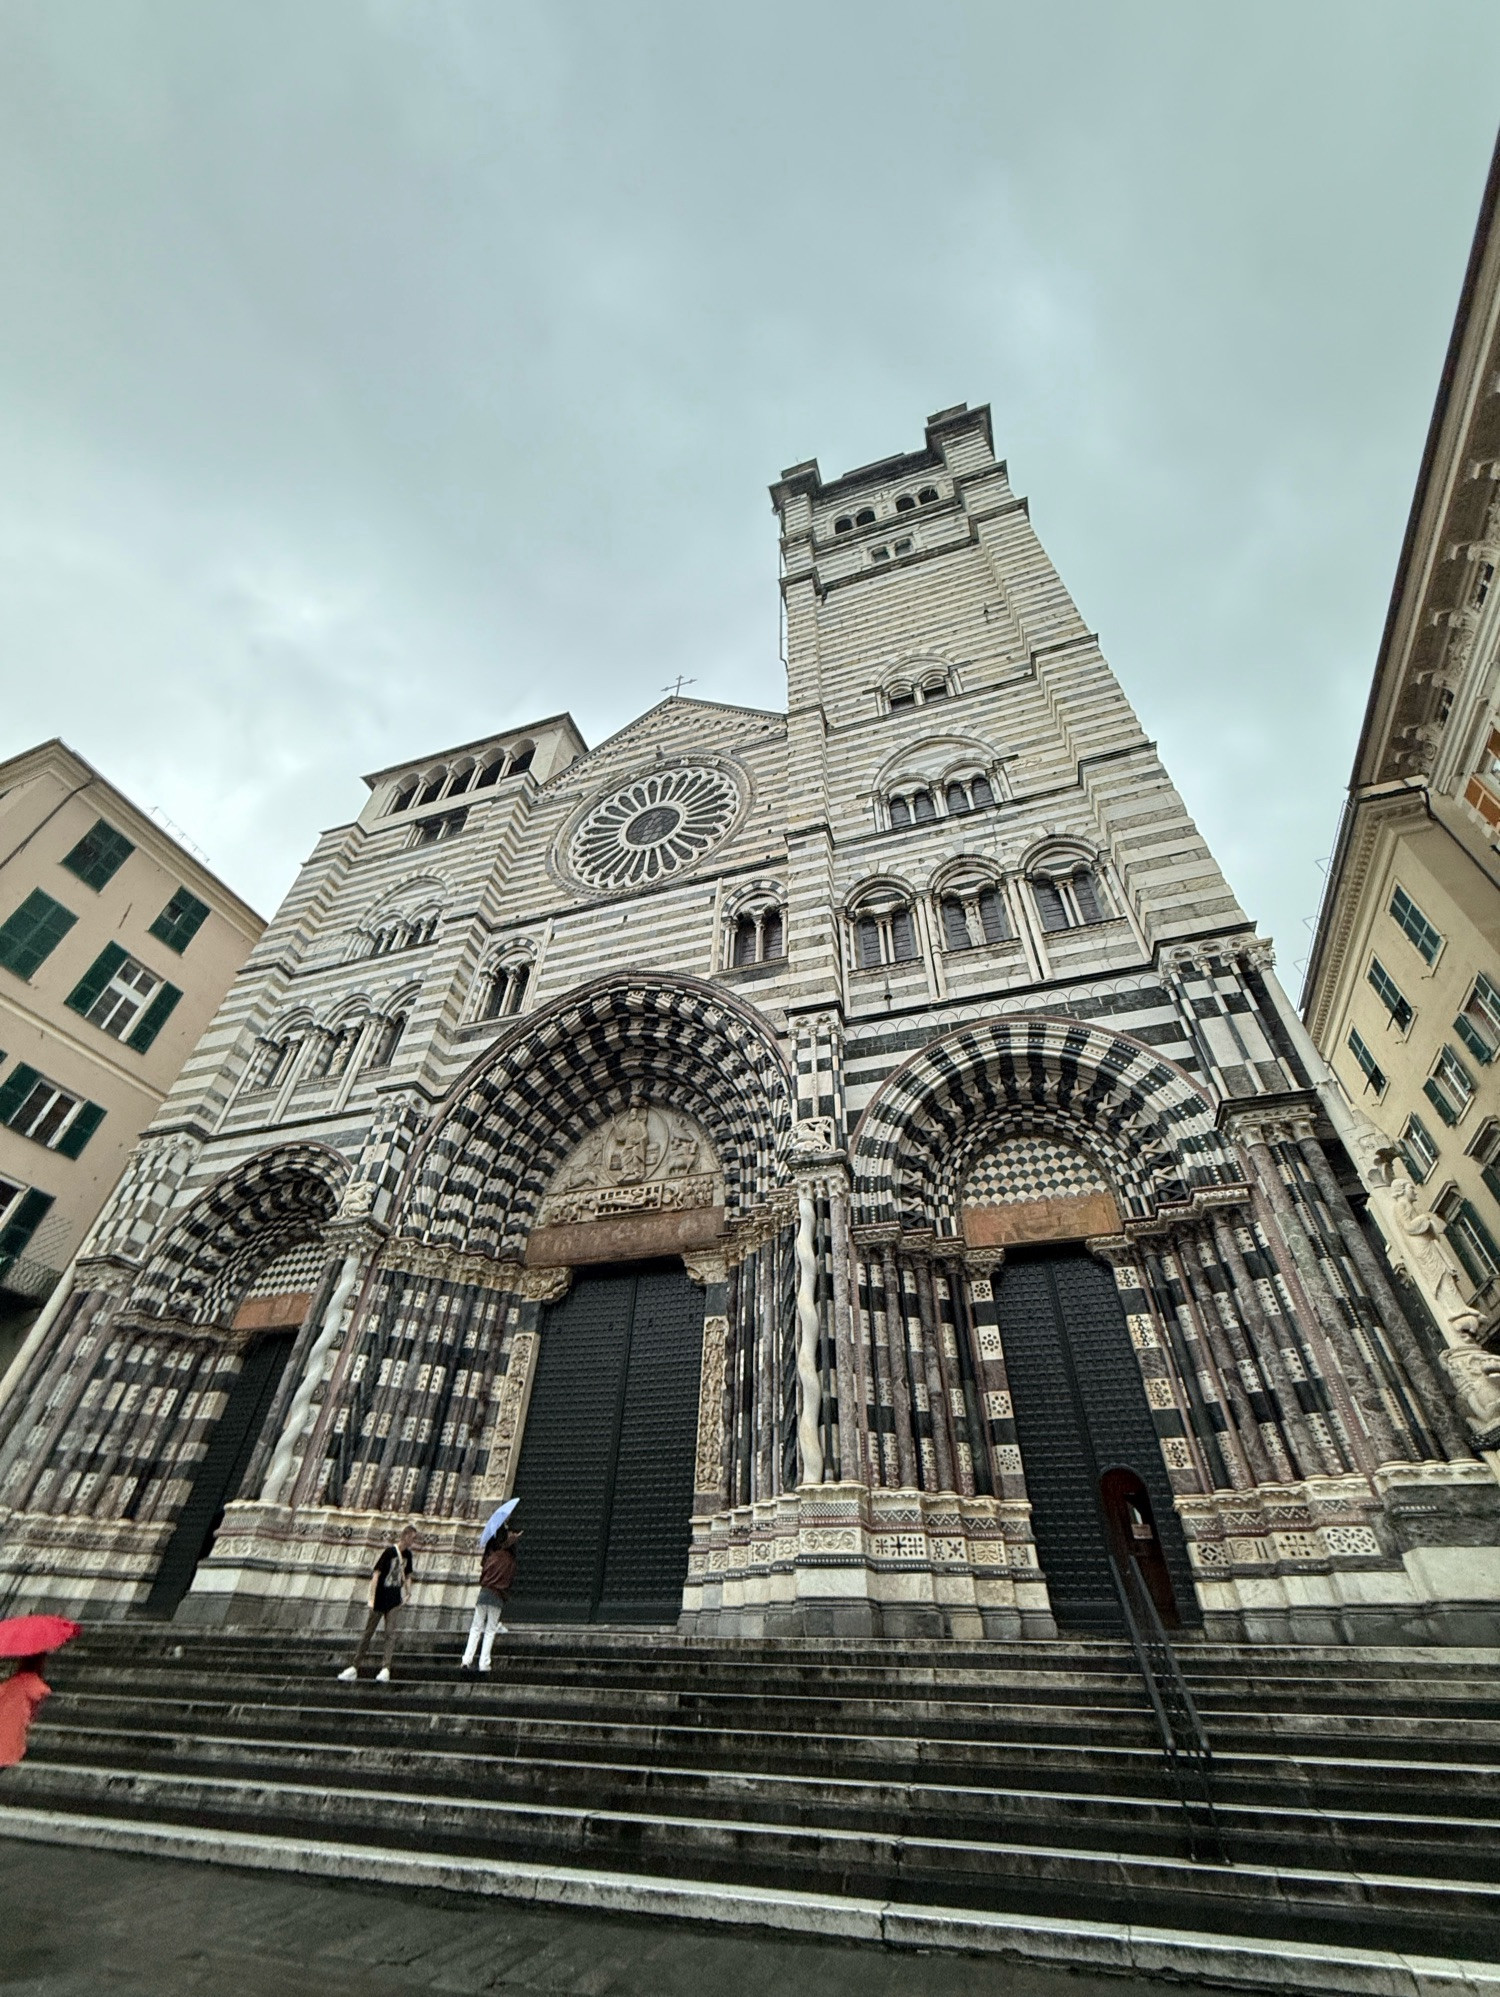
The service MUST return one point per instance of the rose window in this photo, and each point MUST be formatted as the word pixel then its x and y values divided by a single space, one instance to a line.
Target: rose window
pixel 653 827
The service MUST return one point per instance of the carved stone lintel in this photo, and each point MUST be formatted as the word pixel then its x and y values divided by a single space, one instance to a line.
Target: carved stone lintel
pixel 545 1286
pixel 421 1258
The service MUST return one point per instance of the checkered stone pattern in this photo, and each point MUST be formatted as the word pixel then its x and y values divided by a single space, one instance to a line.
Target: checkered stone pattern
pixel 297 1269
pixel 1032 1167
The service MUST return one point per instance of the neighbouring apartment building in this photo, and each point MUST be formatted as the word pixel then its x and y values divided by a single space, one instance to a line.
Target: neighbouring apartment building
pixel 1403 983
pixel 116 948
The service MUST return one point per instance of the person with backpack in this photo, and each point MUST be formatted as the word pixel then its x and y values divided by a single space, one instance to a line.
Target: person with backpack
pixel 390 1584
pixel 497 1574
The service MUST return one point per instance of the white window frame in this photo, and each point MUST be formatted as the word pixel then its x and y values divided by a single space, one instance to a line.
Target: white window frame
pixel 120 1005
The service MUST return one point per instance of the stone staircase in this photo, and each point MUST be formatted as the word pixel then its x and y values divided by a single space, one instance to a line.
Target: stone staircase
pixel 1357 1790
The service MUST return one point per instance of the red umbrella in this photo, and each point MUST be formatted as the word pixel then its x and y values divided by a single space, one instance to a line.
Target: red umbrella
pixel 27 1636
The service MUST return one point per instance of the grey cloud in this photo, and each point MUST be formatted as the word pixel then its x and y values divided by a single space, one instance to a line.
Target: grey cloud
pixel 373 375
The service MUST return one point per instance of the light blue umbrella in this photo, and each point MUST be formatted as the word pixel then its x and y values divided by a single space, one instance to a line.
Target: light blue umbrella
pixel 497 1519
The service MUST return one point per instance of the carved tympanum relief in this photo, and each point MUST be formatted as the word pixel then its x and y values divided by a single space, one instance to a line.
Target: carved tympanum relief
pixel 646 1159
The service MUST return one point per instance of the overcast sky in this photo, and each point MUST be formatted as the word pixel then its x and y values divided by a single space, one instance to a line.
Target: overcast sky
pixel 373 376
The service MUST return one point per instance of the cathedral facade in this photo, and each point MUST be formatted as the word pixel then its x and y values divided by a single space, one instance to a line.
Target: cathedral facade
pixel 849 1170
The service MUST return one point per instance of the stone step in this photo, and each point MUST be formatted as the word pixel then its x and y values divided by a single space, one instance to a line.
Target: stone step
pixel 487 1724
pixel 1430 1735
pixel 1327 1904
pixel 1268 1830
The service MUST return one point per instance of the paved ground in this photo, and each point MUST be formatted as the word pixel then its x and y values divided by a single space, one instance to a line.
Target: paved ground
pixel 77 1923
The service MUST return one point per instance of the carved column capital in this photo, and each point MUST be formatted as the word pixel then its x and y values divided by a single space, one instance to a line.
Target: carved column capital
pixel 545 1286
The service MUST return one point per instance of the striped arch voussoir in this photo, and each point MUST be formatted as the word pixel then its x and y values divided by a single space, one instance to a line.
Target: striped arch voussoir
pixel 1145 1122
pixel 205 1257
pixel 480 1174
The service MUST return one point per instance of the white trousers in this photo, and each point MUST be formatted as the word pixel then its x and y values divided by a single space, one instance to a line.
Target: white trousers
pixel 486 1622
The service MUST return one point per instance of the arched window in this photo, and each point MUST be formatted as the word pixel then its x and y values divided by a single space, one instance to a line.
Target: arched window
pixel 521 760
pixel 957 799
pixel 759 937
pixel 865 517
pixel 934 689
pixel 993 920
pixel 1069 901
pixel 404 795
pixel 972 915
pixel 901 697
pixel 900 811
pixel 388 1040
pixel 981 792
pixel 341 1047
pixel 905 503
pixel 273 1061
pixel 923 810
pixel 461 780
pixel 843 524
pixel 1085 886
pixel 927 496
pixel 506 990
pixel 432 788
pixel 885 934
pixel 490 774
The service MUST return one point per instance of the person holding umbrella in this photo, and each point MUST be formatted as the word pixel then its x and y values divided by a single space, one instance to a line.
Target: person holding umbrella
pixel 27 1639
pixel 497 1573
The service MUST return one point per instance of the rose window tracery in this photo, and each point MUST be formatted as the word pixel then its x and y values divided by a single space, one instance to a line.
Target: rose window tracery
pixel 653 827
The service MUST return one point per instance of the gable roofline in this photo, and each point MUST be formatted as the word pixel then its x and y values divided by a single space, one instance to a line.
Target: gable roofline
pixel 681 700
pixel 149 831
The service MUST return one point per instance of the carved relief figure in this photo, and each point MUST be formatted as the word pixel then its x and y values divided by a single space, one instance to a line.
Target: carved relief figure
pixel 1428 1260
pixel 645 1158
pixel 1475 1374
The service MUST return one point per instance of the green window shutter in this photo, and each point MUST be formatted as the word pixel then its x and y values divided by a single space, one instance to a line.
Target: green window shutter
pixel 14 1090
pixel 22 1224
pixel 96 977
pixel 1440 1102
pixel 153 1019
pixel 99 855
pixel 30 935
pixel 180 921
pixel 85 1122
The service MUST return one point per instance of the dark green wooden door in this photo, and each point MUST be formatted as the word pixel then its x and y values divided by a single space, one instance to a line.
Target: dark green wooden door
pixel 1081 1411
pixel 217 1481
pixel 606 1471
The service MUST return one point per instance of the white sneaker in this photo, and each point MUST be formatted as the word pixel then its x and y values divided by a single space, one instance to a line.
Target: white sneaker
pixel 501 1630
pixel 382 1677
pixel 348 1675
pixel 484 1671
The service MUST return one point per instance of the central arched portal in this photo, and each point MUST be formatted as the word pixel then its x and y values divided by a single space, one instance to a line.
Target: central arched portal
pixel 605 1476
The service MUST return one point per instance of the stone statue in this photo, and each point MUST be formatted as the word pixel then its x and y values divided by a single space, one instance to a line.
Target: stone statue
pixel 1427 1258
pixel 1475 1374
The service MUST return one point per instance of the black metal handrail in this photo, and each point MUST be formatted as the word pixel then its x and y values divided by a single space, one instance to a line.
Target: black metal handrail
pixel 1184 1744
